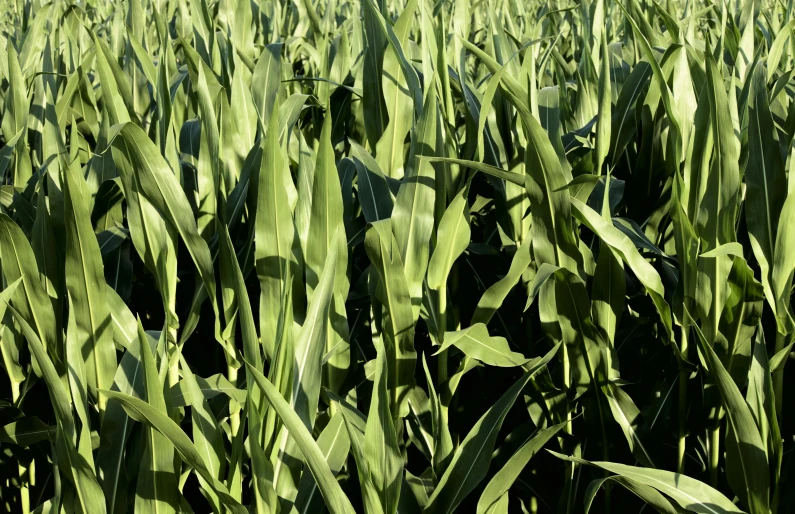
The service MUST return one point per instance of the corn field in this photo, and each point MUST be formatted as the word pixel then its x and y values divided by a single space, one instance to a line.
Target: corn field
pixel 397 256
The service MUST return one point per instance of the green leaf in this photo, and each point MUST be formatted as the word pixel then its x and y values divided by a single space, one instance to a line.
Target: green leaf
pixel 30 299
pixel 355 424
pixel 376 23
pixel 553 238
pixel 412 217
pixel 82 474
pixel 514 178
pixel 502 481
pixel 608 292
pixel 732 248
pixel 476 343
pixel 310 346
pixel 116 88
pixel 398 100
pixel 273 232
pixel 207 435
pixel 766 189
pixel 156 487
pixel 687 492
pixel 335 445
pixel 143 412
pixel 28 431
pixel 78 386
pixel 209 387
pixel 751 452
pixel 262 472
pixel 265 80
pixel 471 460
pixel 375 195
pixel 718 207
pixel 381 450
pixel 659 77
pixel 624 114
pixel 325 221
pixel 442 441
pixel 495 295
pixel 398 324
pixel 373 104
pixel 117 425
pixel 604 115
pixel 626 250
pixel 336 501
pixel 85 281
pixel 627 415
pixel 452 238
pixel 648 494
pixel 148 174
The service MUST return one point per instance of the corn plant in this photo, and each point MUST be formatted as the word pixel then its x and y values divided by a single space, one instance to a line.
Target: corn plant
pixel 397 256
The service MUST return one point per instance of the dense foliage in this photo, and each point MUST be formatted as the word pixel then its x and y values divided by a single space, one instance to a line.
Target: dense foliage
pixel 397 256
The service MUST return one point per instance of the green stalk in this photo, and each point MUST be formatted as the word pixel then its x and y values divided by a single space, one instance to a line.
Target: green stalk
pixel 234 419
pixel 173 369
pixel 173 354
pixel 568 470
pixel 714 430
pixel 24 488
pixel 605 449
pixel 176 413
pixel 441 369
pixel 682 446
pixel 714 451
pixel 714 444
pixel 443 372
pixel 567 385
pixel 778 377
pixel 234 477
pixel 454 289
